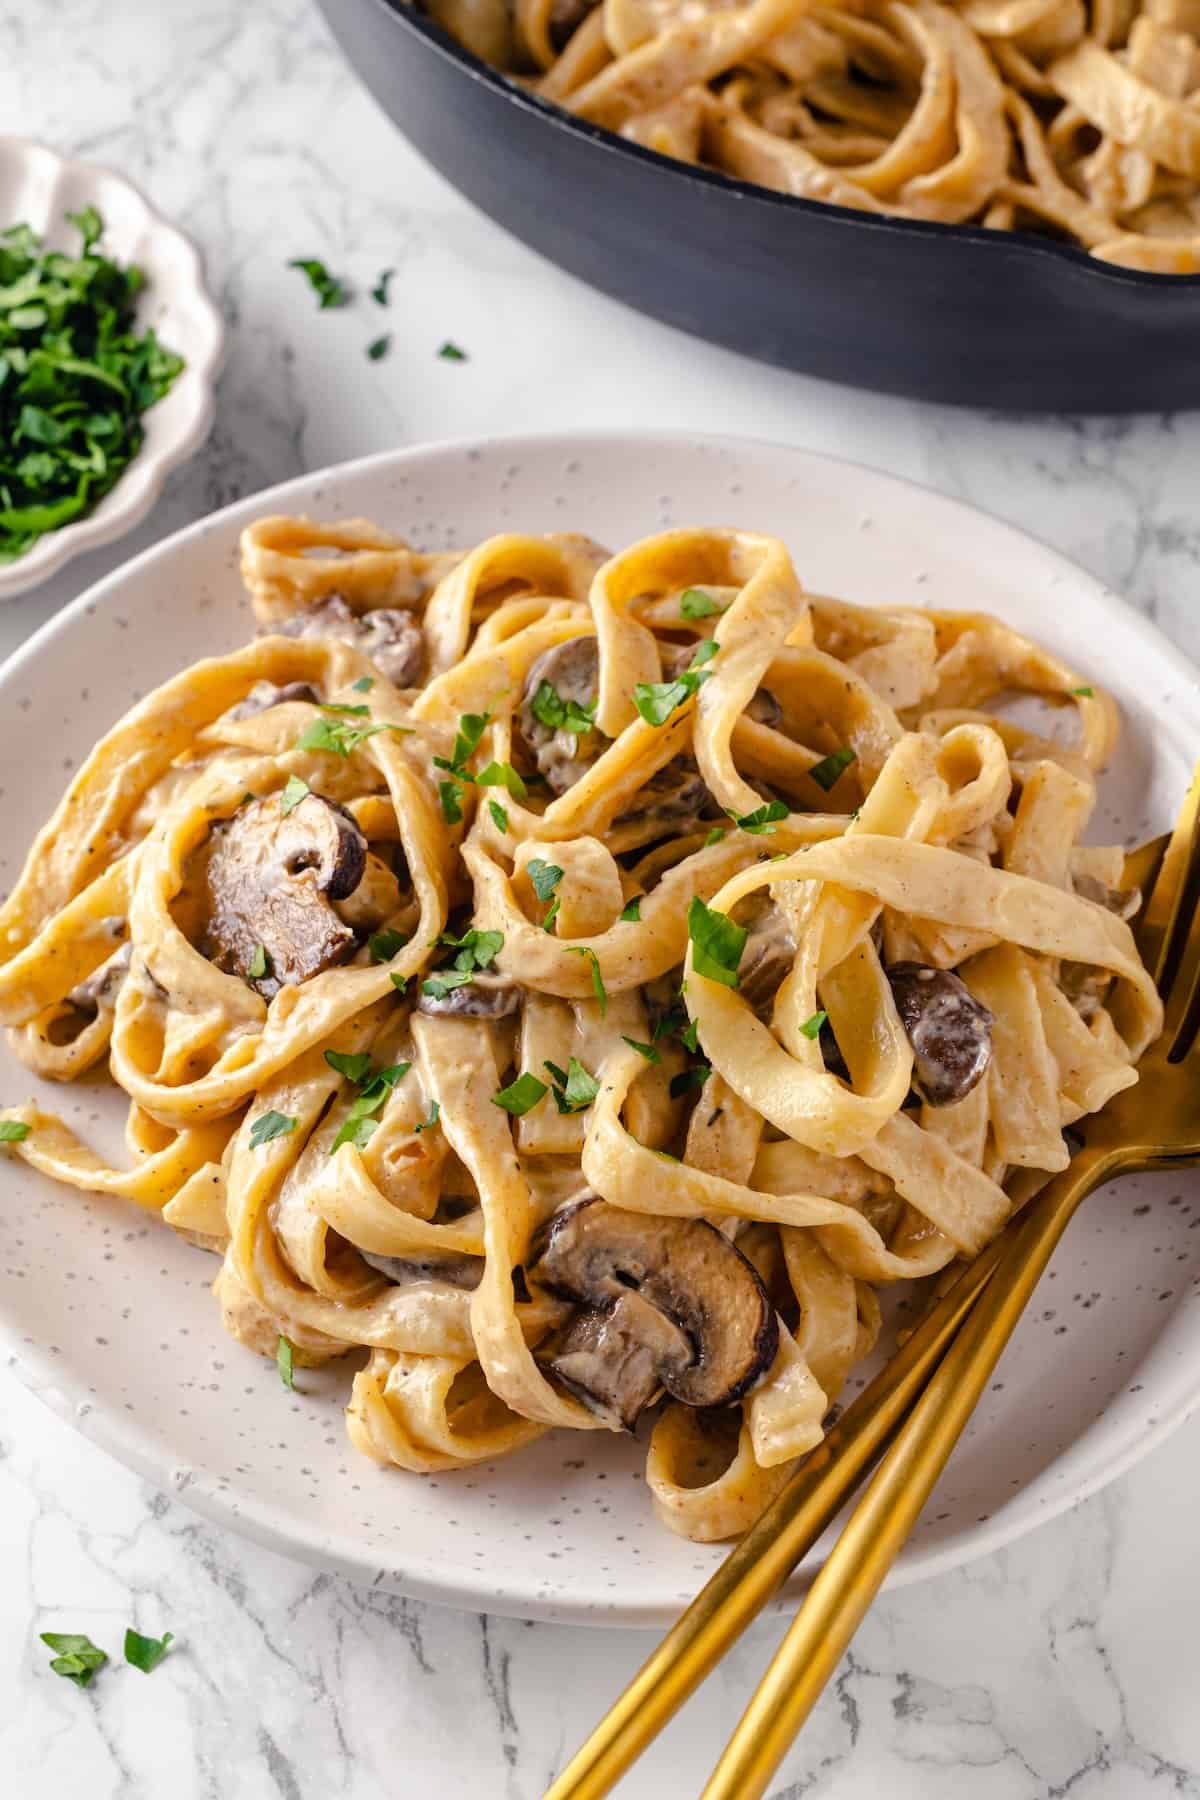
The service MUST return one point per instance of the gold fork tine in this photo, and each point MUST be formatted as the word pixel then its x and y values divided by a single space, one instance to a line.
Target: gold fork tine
pixel 1163 916
pixel 1169 934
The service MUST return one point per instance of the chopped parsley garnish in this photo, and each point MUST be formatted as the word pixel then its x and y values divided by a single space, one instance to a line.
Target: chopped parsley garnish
pixel 545 876
pixel 435 1113
pixel 598 987
pixel 384 944
pixel 476 949
pixel 379 293
pixel 285 1362
pixel 295 790
pixel 471 727
pixel 364 684
pixel 326 287
pixel 439 985
pixel 826 772
pixel 259 965
pixel 77 1657
pixel 337 737
pixel 694 603
pixel 657 700
pixel 556 714
pixel 574 1089
pixel 717 943
pixel 811 1027
pixel 450 792
pixel 399 982
pixel 502 774
pixel 552 913
pixel 689 1037
pixel 76 376
pixel 499 816
pixel 270 1125
pixel 145 1653
pixel 451 353
pixel 340 706
pixel 14 1131
pixel 521 1095
pixel 374 1086
pixel 689 1078
pixel 762 820
pixel 647 1050
pixel 715 836
pixel 633 912
pixel 1084 693
pixel 378 348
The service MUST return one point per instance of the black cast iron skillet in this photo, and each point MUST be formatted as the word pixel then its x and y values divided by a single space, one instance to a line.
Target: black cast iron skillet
pixel 941 312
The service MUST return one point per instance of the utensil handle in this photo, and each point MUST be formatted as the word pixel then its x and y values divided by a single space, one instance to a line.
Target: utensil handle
pixel 883 1519
pixel 759 1565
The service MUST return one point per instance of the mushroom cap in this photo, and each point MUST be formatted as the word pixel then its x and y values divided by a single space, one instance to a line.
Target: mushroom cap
pixel 270 879
pixel 483 997
pixel 390 636
pixel 683 1269
pixel 573 670
pixel 265 694
pixel 459 1271
pixel 674 795
pixel 612 1357
pixel 768 957
pixel 949 1029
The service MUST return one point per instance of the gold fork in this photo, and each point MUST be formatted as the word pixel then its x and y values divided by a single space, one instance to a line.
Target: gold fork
pixel 1154 1123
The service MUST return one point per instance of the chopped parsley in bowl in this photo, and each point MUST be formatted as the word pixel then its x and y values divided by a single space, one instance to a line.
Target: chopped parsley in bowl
pixel 76 376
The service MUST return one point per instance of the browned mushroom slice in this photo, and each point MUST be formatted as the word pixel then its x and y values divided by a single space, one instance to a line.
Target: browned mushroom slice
pixel 612 1358
pixel 458 1271
pixel 483 997
pixel 270 880
pixel 685 1270
pixel 674 795
pixel 1122 901
pixel 265 694
pixel 765 709
pixel 768 956
pixel 573 671
pixel 950 1031
pixel 390 636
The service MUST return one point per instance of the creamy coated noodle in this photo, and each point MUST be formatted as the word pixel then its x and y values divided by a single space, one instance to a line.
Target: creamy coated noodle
pixel 580 982
pixel 1077 117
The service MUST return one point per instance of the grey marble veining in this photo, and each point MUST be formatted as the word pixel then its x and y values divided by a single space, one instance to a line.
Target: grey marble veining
pixel 1064 1666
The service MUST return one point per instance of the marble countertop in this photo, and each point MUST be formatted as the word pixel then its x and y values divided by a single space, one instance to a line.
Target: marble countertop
pixel 1064 1665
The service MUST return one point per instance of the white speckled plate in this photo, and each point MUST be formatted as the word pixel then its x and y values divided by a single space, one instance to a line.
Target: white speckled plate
pixel 108 1316
pixel 39 188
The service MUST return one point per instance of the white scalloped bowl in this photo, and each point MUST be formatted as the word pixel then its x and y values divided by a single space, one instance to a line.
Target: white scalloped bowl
pixel 39 187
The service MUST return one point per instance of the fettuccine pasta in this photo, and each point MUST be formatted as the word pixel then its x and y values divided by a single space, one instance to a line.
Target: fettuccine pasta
pixel 1077 118
pixel 571 986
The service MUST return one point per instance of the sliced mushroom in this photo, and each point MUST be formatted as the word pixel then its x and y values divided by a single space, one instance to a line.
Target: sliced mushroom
pixel 483 997
pixel 612 1358
pixel 765 709
pixel 1122 901
pixel 270 880
pixel 674 795
pixel 768 956
pixel 950 1031
pixel 715 1334
pixel 573 671
pixel 265 694
pixel 457 1271
pixel 390 636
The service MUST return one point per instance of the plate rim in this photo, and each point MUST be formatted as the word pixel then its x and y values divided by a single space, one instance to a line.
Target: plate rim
pixel 138 1448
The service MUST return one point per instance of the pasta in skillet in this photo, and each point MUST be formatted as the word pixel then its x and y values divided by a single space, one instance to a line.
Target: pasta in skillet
pixel 578 983
pixel 1076 117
